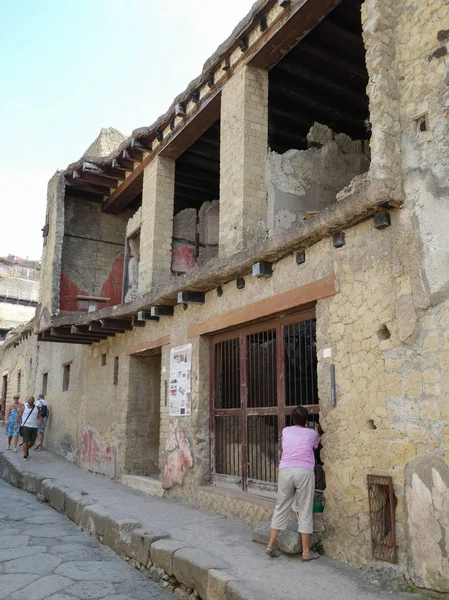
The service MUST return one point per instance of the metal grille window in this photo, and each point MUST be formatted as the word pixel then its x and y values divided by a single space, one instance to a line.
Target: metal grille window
pixel 382 505
pixel 19 381
pixel 259 374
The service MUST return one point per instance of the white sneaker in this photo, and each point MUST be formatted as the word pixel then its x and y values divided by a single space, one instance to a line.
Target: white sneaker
pixel 14 449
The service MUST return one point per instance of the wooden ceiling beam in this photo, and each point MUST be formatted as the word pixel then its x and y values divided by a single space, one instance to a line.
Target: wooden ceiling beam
pixel 94 179
pixel 96 327
pixel 321 80
pixel 294 25
pixel 194 195
pixel 340 37
pixel 87 187
pixel 333 60
pixel 45 336
pixel 190 160
pixel 197 174
pixel 117 324
pixel 295 117
pixel 83 330
pixel 317 103
pixel 197 184
pixel 106 171
pixel 122 164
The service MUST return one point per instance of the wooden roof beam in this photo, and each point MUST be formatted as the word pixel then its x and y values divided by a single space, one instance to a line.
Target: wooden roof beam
pixel 92 169
pixel 331 59
pixel 95 179
pixel 118 325
pixel 323 81
pixel 87 187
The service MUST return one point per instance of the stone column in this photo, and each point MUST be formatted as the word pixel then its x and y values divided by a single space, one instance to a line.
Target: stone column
pixel 157 222
pixel 379 26
pixel 243 154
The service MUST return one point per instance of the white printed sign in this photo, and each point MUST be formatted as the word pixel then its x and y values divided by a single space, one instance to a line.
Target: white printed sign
pixel 180 381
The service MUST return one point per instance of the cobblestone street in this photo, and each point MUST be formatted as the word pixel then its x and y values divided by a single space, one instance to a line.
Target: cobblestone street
pixel 44 556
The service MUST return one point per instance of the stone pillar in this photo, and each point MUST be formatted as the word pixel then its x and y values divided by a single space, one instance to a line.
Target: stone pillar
pixel 243 154
pixel 379 27
pixel 157 222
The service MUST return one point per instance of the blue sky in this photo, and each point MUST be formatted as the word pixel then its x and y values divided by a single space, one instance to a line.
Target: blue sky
pixel 68 68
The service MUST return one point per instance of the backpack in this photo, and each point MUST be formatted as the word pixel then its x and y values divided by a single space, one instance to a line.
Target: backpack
pixel 44 410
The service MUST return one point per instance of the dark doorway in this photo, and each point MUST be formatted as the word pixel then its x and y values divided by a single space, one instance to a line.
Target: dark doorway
pixel 143 418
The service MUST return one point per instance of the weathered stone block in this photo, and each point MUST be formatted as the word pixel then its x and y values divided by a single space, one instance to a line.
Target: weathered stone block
pixel 94 520
pixel 289 540
pixel 217 582
pixel 238 590
pixel 75 503
pixel 414 383
pixel 162 552
pixel 141 541
pixel 191 567
pixel 58 495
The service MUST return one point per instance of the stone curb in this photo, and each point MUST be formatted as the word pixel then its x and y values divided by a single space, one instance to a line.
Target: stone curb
pixel 188 572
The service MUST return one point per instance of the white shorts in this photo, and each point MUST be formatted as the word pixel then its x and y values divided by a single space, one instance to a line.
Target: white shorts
pixel 295 483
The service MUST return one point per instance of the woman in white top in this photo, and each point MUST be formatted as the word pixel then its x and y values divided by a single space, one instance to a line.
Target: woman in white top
pixel 30 416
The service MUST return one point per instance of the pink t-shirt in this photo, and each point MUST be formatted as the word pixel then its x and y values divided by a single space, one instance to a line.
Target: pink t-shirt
pixel 297 447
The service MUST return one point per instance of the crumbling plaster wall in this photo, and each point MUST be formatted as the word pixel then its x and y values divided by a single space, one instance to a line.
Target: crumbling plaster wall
pixel 195 236
pixel 302 181
pixel 422 43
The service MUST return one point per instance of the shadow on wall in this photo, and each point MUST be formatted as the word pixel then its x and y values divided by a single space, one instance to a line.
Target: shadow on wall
pixel 308 181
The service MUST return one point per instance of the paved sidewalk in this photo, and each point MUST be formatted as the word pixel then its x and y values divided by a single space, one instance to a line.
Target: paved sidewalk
pixel 43 556
pixel 228 539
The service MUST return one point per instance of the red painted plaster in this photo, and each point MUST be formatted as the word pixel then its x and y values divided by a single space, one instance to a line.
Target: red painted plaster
pixel 112 287
pixel 68 293
pixel 95 457
pixel 183 260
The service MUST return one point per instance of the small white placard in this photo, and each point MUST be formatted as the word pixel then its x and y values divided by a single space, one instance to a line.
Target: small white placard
pixel 327 352
pixel 164 370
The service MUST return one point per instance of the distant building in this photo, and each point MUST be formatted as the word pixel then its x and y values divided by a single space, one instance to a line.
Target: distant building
pixel 19 292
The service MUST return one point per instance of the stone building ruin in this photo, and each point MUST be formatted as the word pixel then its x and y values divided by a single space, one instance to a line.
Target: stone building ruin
pixel 282 230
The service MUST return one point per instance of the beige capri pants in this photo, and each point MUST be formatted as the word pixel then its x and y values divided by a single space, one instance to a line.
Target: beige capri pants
pixel 295 483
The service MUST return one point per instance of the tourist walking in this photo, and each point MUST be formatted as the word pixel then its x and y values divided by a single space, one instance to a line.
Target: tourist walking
pixel 12 427
pixel 296 480
pixel 30 417
pixel 44 410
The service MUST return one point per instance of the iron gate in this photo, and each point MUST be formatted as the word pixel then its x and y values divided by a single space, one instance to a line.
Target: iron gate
pixel 259 374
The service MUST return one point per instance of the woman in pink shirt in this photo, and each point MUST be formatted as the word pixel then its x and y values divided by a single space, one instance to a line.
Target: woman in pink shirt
pixel 296 479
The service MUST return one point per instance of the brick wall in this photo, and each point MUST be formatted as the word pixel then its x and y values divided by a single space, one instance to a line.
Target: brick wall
pixel 243 154
pixel 157 222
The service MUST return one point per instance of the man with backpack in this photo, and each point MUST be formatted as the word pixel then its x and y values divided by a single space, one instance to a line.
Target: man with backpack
pixel 29 416
pixel 42 405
